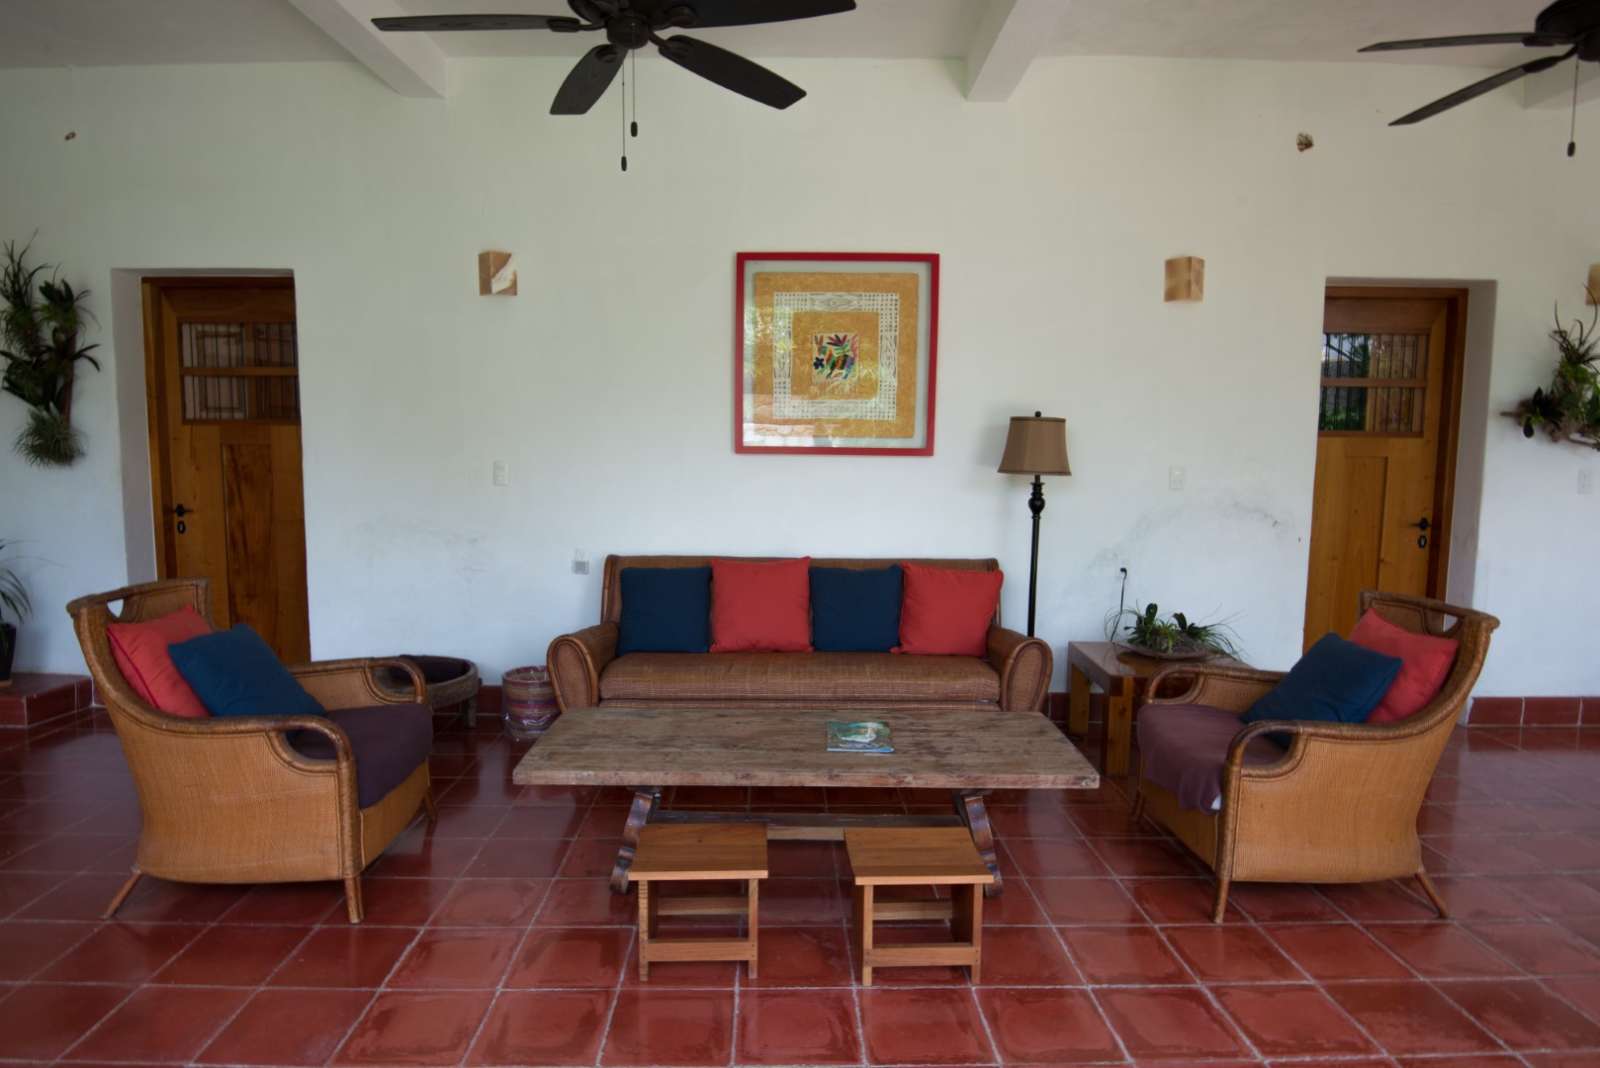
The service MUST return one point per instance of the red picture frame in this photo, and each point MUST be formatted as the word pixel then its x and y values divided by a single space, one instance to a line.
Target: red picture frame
pixel 928 268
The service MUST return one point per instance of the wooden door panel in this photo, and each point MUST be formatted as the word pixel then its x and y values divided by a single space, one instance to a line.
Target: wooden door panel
pixel 225 432
pixel 1386 368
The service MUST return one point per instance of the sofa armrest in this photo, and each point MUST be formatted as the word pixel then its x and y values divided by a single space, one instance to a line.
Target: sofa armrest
pixel 1024 665
pixel 575 662
pixel 1232 689
pixel 354 683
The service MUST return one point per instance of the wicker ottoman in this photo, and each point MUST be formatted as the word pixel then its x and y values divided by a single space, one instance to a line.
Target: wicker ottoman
pixel 451 681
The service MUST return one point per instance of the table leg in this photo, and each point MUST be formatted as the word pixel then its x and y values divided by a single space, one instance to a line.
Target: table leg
pixel 1077 702
pixel 969 805
pixel 645 799
pixel 1119 730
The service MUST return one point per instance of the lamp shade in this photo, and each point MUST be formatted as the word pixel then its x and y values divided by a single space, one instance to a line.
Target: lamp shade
pixel 1036 445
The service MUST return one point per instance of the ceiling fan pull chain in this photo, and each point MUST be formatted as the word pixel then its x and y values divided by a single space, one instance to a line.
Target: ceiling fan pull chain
pixel 624 96
pixel 1572 135
pixel 633 61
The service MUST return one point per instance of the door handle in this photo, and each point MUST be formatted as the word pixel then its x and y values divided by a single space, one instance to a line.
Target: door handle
pixel 1423 525
pixel 180 511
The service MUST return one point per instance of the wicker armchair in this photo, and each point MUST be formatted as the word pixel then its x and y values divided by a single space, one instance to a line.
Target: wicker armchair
pixel 1341 804
pixel 230 800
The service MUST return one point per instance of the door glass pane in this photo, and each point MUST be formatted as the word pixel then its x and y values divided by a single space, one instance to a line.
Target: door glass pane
pixel 1373 383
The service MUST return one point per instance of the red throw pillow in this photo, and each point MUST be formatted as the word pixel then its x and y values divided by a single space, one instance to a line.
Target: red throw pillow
pixel 141 653
pixel 761 607
pixel 1426 662
pixel 947 611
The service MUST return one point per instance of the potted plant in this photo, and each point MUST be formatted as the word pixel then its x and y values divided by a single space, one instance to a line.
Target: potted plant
pixel 39 343
pixel 1569 410
pixel 14 603
pixel 1174 637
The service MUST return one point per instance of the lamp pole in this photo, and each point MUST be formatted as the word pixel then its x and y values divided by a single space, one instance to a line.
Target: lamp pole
pixel 1036 506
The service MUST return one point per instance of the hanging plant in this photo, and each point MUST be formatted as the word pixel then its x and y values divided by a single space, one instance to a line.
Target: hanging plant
pixel 39 343
pixel 1569 410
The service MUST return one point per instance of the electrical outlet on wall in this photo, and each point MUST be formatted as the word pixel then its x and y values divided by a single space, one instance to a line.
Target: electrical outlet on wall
pixel 1176 477
pixel 580 562
pixel 499 474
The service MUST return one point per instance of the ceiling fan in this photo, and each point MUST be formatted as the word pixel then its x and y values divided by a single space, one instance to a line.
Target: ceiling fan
pixel 632 24
pixel 1572 24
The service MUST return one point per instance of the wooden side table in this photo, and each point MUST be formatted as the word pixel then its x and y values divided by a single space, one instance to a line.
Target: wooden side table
pixel 1125 678
pixel 918 856
pixel 699 852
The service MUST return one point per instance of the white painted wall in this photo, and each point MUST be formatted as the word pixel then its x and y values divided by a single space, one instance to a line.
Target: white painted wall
pixel 607 384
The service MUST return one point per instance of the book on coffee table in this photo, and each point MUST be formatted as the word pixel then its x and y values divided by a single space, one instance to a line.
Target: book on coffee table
pixel 869 736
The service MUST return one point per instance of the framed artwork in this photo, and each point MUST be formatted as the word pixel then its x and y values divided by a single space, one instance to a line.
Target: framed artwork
pixel 836 352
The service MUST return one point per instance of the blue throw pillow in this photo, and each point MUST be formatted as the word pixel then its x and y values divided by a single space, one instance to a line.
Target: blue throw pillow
pixel 235 673
pixel 855 611
pixel 1335 682
pixel 665 610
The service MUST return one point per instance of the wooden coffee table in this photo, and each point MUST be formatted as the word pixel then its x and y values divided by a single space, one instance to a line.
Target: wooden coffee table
pixel 968 752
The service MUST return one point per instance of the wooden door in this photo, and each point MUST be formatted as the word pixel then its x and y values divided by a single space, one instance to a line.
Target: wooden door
pixel 1385 447
pixel 222 371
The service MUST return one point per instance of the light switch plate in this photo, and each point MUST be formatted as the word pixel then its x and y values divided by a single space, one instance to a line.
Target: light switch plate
pixel 500 475
pixel 1176 476
pixel 580 562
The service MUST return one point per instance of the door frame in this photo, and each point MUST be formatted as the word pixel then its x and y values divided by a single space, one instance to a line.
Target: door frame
pixel 1455 346
pixel 157 414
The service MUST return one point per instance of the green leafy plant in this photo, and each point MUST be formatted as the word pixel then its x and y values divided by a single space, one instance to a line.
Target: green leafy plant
pixel 13 594
pixel 1569 410
pixel 1169 635
pixel 39 326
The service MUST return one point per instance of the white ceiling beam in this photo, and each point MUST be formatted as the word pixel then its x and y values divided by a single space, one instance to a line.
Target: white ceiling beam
pixel 409 63
pixel 1553 88
pixel 1012 34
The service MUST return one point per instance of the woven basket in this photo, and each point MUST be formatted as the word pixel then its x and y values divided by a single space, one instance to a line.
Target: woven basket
pixel 528 701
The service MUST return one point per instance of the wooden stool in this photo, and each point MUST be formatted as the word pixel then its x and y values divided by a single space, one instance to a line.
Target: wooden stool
pixel 680 852
pixel 916 856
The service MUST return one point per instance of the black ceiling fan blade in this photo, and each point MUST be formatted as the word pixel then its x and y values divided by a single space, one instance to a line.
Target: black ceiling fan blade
pixel 1477 89
pixel 731 71
pixel 1532 40
pixel 588 81
pixel 438 23
pixel 713 13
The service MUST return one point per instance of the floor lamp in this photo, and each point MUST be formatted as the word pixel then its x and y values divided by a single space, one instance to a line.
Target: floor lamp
pixel 1036 445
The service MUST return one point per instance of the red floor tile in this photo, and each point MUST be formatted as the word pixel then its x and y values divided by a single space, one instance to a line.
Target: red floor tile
pixel 546 1027
pixel 457 958
pixel 1412 1018
pixel 1291 1020
pixel 797 1027
pixel 803 956
pixel 298 904
pixel 527 859
pixel 1331 951
pixel 1524 1015
pixel 492 903
pixel 41 1021
pixel 25 948
pixel 1377 902
pixel 923 1026
pixel 1282 903
pixel 1581 990
pixel 1015 906
pixel 1052 857
pixel 401 902
pixel 571 957
pixel 580 902
pixel 1123 955
pixel 1438 950
pixel 1144 856
pixel 121 953
pixel 1179 900
pixel 670 1027
pixel 406 1027
pixel 232 956
pixel 161 1024
pixel 345 957
pixel 1540 949
pixel 1171 1022
pixel 1025 956
pixel 802 902
pixel 1042 1026
pixel 1231 954
pixel 287 1027
pixel 1080 902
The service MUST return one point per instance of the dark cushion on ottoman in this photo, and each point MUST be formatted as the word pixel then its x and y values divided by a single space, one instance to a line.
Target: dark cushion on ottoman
pixel 389 742
pixel 1182 748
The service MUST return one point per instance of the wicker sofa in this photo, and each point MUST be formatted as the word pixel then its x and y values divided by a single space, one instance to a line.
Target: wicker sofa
pixel 587 673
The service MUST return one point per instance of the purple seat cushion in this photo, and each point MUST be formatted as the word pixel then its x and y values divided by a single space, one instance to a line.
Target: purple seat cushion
pixel 1182 748
pixel 388 742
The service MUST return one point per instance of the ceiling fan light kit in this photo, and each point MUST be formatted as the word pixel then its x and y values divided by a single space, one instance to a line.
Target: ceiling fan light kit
pixel 1570 24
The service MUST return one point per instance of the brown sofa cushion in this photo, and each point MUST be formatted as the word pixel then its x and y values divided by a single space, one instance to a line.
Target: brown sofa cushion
pixel 801 677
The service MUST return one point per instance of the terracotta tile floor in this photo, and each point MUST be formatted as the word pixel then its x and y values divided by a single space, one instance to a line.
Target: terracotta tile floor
pixel 493 939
